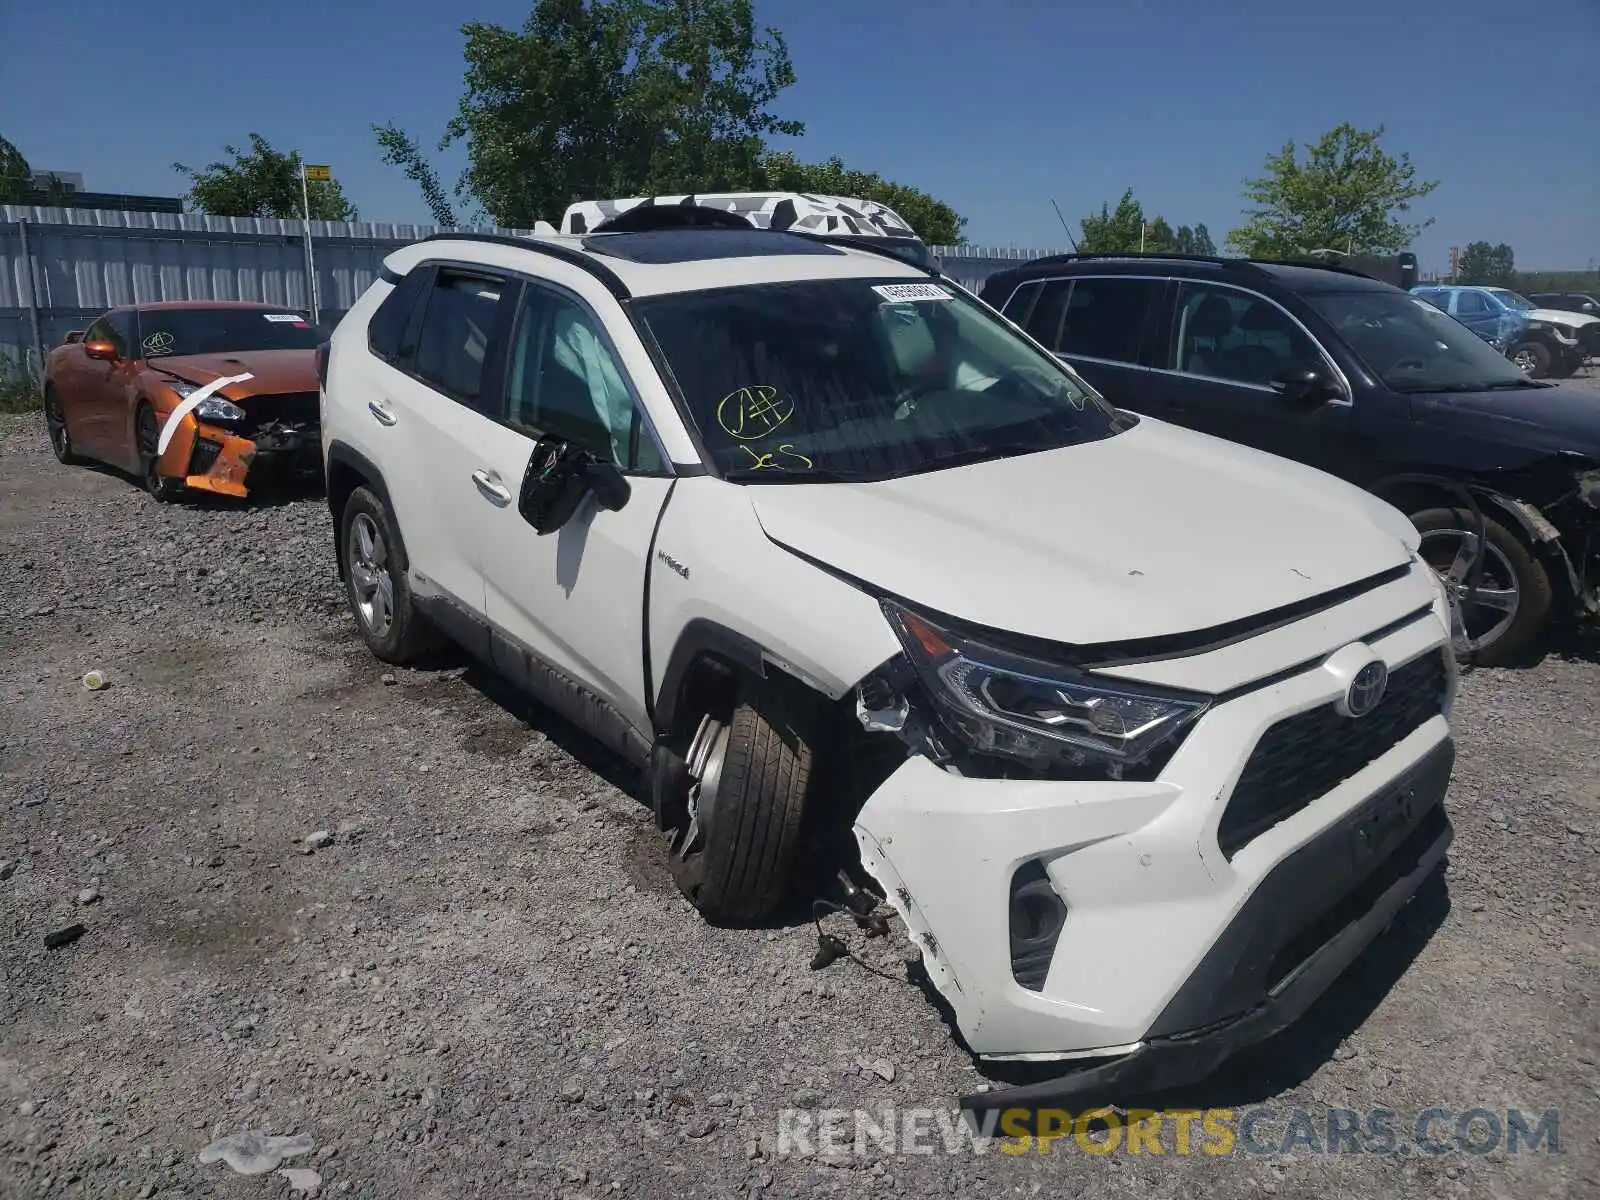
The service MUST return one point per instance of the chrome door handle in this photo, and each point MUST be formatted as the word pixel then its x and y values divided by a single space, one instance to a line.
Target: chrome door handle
pixel 385 417
pixel 490 487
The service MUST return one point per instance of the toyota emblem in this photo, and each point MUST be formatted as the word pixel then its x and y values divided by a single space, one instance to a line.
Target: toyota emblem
pixel 1366 689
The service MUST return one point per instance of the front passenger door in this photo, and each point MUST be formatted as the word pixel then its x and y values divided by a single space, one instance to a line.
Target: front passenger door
pixel 574 598
pixel 1225 349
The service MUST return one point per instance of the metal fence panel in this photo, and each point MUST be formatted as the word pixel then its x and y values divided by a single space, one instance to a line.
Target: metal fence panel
pixel 84 261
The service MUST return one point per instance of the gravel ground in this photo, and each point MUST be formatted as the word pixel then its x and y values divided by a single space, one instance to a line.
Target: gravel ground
pixel 483 983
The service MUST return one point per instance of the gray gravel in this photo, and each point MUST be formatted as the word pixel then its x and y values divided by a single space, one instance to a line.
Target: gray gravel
pixel 428 928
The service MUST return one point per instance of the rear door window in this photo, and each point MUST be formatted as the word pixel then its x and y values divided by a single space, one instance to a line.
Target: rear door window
pixel 1470 304
pixel 1044 319
pixel 457 329
pixel 388 323
pixel 1105 318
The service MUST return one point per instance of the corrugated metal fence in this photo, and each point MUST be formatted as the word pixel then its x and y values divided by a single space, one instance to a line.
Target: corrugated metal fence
pixel 60 267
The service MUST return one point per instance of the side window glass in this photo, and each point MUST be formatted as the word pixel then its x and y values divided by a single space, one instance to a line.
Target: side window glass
pixel 120 329
pixel 563 379
pixel 1226 334
pixel 1020 304
pixel 389 322
pixel 1105 317
pixel 457 325
pixel 1044 321
pixel 1470 304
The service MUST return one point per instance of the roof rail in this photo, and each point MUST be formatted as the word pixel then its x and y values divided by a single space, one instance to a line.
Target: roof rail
pixel 1239 264
pixel 607 277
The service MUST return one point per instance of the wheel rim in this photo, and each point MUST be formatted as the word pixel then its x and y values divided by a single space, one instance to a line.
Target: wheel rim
pixel 56 422
pixel 1525 360
pixel 369 575
pixel 706 755
pixel 1498 599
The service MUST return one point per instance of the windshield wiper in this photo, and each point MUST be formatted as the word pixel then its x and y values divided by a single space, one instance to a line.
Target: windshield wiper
pixel 800 475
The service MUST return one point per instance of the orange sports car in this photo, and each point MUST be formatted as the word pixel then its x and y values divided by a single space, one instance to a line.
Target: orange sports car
pixel 205 395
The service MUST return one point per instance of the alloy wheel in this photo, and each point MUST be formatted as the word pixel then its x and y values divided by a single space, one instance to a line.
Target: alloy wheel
pixel 56 423
pixel 1525 361
pixel 369 573
pixel 706 755
pixel 1491 609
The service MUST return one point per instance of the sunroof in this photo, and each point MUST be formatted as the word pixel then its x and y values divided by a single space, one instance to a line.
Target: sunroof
pixel 694 244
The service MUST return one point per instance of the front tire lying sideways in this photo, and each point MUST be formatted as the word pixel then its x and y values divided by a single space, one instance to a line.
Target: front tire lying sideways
pixel 734 856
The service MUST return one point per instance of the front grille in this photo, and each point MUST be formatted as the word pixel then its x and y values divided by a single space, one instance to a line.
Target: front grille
pixel 1309 754
pixel 297 408
pixel 204 456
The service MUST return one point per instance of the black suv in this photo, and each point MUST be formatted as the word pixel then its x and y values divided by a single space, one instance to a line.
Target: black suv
pixel 1340 371
pixel 1578 302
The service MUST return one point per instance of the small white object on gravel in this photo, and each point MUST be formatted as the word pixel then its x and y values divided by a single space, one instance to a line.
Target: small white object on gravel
pixel 89 895
pixel 318 840
pixel 301 1179
pixel 254 1152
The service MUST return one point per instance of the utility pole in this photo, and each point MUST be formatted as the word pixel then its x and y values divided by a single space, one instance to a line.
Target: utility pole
pixel 1455 262
pixel 322 174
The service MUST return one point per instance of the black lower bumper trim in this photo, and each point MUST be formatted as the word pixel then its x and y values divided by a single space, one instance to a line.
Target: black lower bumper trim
pixel 1385 861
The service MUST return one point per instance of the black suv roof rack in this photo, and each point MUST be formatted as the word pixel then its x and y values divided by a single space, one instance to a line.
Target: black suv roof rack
pixel 1237 264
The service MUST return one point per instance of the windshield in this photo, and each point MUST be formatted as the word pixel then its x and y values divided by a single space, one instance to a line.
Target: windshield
pixel 1412 346
pixel 859 379
pixel 1511 299
pixel 167 332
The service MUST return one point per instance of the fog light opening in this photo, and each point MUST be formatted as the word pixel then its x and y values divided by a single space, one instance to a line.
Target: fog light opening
pixel 1036 918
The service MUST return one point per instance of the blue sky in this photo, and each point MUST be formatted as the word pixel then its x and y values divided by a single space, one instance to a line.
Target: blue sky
pixel 995 107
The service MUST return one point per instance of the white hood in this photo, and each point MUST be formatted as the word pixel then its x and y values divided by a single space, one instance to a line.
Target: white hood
pixel 1158 530
pixel 1558 316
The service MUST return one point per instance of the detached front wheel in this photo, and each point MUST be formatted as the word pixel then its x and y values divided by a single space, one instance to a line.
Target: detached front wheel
pixel 1505 613
pixel 733 854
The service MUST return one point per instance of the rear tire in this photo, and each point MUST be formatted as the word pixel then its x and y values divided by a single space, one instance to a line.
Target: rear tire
pixel 735 858
pixel 1533 357
pixel 55 424
pixel 1506 554
pixel 376 583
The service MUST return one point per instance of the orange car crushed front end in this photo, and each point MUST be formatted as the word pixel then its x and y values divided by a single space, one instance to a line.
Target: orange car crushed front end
pixel 277 443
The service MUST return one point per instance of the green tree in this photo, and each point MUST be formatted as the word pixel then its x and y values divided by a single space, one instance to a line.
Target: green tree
pixel 1126 230
pixel 262 183
pixel 1486 265
pixel 1195 241
pixel 1347 195
pixel 16 176
pixel 597 98
pixel 399 149
pixel 935 221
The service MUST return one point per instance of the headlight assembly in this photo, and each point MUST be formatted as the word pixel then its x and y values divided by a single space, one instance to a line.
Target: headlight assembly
pixel 215 408
pixel 1042 714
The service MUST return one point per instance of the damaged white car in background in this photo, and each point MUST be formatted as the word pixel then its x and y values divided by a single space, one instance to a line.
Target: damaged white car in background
pixel 1143 734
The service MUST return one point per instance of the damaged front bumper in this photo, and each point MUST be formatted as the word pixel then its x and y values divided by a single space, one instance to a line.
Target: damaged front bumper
pixel 227 462
pixel 1119 927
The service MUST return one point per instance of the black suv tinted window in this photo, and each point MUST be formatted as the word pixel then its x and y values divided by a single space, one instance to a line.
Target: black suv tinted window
pixel 388 323
pixel 1227 333
pixel 457 325
pixel 1105 317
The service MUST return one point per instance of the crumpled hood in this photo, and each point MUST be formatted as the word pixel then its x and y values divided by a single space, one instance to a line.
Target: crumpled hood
pixel 1157 530
pixel 1560 316
pixel 275 371
pixel 1551 420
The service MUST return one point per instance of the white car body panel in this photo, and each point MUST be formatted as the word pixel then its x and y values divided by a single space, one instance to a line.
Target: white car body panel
pixel 811 623
pixel 1104 551
pixel 1560 316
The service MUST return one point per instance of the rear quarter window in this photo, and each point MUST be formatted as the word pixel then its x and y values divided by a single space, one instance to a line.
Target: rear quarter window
pixel 388 323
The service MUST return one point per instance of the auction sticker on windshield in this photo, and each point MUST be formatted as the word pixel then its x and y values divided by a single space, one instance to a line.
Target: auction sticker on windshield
pixel 285 319
pixel 900 293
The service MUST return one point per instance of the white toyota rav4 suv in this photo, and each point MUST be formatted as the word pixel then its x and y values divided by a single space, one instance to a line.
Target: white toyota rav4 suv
pixel 1144 735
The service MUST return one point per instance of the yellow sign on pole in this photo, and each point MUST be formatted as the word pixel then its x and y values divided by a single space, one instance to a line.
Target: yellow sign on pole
pixel 320 174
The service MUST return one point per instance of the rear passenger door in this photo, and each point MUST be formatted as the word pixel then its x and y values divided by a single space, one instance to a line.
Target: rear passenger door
pixel 430 425
pixel 1475 311
pixel 1223 349
pixel 1098 324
